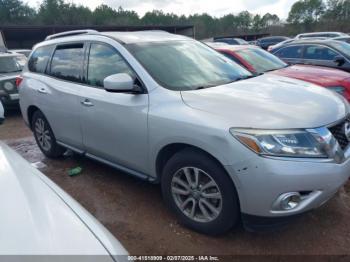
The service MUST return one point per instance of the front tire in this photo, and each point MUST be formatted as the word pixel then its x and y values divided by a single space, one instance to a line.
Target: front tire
pixel 44 136
pixel 200 193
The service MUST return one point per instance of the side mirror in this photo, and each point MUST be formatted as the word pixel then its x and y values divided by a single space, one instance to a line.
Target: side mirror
pixel 2 116
pixel 339 60
pixel 120 83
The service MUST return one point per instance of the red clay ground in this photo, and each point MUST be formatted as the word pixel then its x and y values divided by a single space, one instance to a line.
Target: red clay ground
pixel 134 212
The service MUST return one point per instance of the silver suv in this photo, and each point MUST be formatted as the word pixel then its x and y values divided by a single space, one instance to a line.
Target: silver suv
pixel 223 144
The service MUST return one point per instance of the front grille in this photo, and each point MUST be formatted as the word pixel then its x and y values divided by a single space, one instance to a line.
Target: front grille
pixel 339 134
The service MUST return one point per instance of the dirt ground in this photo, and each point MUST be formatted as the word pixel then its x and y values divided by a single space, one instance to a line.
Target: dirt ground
pixel 134 212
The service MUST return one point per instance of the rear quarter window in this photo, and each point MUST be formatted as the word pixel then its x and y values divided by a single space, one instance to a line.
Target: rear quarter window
pixel 39 59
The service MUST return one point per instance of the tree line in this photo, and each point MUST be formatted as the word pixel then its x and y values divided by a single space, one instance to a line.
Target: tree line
pixel 305 15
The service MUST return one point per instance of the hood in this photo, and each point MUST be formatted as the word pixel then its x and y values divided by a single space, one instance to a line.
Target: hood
pixel 319 75
pixel 9 75
pixel 270 102
pixel 34 220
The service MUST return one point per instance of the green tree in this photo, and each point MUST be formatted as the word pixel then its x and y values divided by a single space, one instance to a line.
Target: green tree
pixel 338 10
pixel 16 12
pixel 306 12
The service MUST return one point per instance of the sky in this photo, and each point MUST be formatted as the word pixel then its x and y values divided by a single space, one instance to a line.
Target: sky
pixel 215 8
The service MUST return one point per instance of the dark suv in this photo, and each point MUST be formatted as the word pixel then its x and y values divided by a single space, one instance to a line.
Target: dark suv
pixel 330 53
pixel 265 42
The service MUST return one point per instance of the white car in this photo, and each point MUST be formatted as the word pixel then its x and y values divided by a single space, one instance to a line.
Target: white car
pixel 320 34
pixel 39 218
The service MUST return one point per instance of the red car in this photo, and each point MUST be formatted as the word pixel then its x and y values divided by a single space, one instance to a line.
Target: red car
pixel 258 61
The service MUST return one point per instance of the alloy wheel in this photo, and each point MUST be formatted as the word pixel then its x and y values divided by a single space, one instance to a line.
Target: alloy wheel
pixel 196 194
pixel 43 134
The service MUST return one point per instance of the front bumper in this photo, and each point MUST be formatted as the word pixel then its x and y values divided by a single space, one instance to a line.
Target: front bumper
pixel 10 100
pixel 262 180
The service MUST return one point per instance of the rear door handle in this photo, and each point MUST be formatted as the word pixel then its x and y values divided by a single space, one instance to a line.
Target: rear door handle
pixel 42 91
pixel 87 103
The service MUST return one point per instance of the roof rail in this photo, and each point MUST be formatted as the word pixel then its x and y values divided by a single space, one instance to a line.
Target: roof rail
pixel 71 33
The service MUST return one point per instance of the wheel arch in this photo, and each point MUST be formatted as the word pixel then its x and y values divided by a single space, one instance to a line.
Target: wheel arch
pixel 169 150
pixel 30 112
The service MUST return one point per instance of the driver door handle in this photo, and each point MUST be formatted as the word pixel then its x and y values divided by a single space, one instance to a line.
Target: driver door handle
pixel 87 103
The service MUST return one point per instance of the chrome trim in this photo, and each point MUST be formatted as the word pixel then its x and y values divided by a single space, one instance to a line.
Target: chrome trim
pixel 14 96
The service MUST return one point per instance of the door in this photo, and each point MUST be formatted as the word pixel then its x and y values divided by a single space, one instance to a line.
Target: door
pixel 320 55
pixel 290 54
pixel 114 125
pixel 60 94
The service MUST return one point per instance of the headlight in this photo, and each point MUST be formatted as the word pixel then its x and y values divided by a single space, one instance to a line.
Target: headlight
pixel 8 86
pixel 287 143
pixel 338 89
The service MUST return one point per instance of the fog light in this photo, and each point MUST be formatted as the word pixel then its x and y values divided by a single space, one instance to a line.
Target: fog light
pixel 290 201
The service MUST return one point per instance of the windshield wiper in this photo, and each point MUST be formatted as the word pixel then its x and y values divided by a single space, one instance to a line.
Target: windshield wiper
pixel 203 87
pixel 245 77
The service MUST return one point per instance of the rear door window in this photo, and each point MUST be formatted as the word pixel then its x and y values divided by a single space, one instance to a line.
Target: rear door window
pixel 290 52
pixel 316 52
pixel 67 62
pixel 39 59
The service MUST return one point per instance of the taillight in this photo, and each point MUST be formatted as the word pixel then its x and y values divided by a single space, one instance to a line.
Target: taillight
pixel 19 80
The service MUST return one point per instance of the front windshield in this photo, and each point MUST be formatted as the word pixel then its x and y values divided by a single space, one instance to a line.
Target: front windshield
pixel 261 60
pixel 241 41
pixel 186 65
pixel 9 65
pixel 343 47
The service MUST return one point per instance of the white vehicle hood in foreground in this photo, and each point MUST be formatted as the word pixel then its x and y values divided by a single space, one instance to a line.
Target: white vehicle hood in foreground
pixel 270 102
pixel 38 218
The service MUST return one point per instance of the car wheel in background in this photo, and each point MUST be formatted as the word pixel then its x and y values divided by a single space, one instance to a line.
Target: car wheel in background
pixel 44 136
pixel 200 193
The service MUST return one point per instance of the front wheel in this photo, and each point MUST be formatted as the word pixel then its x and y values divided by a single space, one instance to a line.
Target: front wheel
pixel 200 192
pixel 44 136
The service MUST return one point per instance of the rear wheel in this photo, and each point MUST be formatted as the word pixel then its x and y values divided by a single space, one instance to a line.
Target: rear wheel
pixel 44 136
pixel 200 192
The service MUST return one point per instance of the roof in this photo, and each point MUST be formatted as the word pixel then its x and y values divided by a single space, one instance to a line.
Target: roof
pixel 234 47
pixel 341 37
pixel 317 33
pixel 312 41
pixel 144 36
pixel 273 37
pixel 23 36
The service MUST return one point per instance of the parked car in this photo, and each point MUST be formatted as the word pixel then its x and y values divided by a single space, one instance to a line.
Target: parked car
pixel 9 70
pixel 258 61
pixel 320 34
pixel 39 218
pixel 25 52
pixel 271 47
pixel 223 143
pixel 265 42
pixel 276 46
pixel 345 39
pixel 231 41
pixel 329 53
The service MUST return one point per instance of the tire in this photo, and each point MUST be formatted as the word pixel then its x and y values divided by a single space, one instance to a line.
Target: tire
pixel 47 143
pixel 175 194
